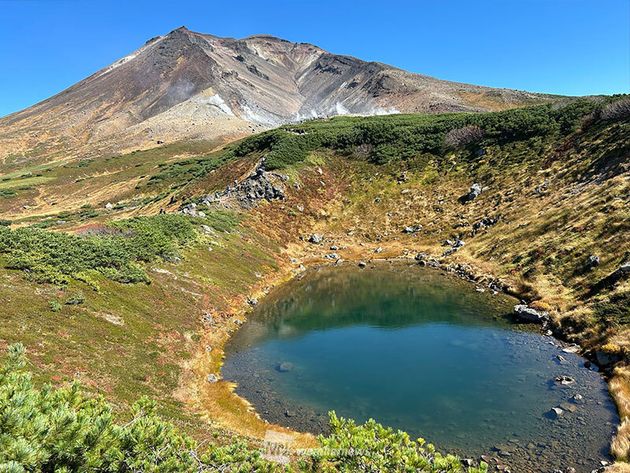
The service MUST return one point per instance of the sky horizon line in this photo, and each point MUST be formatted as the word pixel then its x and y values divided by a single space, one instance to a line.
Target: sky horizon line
pixel 557 60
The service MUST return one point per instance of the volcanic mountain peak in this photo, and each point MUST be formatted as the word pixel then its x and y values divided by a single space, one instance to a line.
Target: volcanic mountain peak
pixel 188 85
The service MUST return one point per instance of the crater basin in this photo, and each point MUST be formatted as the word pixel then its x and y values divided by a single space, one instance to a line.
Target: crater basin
pixel 422 351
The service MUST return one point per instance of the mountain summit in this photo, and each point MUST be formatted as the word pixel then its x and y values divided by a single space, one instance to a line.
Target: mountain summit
pixel 188 85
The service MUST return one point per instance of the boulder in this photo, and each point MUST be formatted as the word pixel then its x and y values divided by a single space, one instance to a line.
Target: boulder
pixel 623 270
pixel 212 378
pixel 421 257
pixel 484 223
pixel 564 380
pixel 472 194
pixel 362 264
pixel 315 238
pixel 528 314
pixel 592 261
pixel 608 355
pixel 565 406
pixel 412 229
pixel 284 367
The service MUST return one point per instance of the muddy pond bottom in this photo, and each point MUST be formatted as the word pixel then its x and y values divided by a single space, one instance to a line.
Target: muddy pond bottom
pixel 424 352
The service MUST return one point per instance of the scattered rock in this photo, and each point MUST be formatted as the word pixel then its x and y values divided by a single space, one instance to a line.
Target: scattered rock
pixel 564 380
pixel 284 367
pixel 624 269
pixel 409 230
pixel 608 355
pixel 561 359
pixel 378 250
pixel 208 230
pixel 565 406
pixel 333 256
pixel 362 264
pixel 334 248
pixel 484 223
pixel 252 301
pixel 212 378
pixel 191 209
pixel 577 398
pixel 421 257
pixel 109 206
pixel 454 246
pixel 472 194
pixel 571 349
pixel 315 238
pixel 259 185
pixel 528 314
pixel 592 261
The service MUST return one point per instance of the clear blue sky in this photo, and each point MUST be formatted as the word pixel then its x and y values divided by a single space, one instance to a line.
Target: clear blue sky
pixel 572 47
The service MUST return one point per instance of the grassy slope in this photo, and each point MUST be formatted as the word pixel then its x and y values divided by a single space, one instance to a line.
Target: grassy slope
pixel 353 194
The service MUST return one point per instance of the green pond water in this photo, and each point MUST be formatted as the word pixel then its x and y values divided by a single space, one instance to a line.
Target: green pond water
pixel 422 351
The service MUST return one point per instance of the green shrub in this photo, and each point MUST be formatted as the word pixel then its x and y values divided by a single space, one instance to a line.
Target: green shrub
pixel 615 310
pixel 115 251
pixel 405 136
pixel 55 306
pixel 64 430
pixel 75 299
pixel 372 447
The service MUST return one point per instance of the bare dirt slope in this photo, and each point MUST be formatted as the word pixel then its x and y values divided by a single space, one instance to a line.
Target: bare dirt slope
pixel 187 85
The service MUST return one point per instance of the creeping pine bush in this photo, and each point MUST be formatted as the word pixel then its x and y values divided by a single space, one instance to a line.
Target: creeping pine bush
pixel 372 447
pixel 65 430
pixel 381 139
pixel 116 252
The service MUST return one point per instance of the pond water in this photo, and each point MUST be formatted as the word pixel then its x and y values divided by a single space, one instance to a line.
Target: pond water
pixel 425 352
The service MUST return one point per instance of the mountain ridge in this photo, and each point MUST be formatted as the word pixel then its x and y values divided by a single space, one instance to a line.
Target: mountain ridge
pixel 188 85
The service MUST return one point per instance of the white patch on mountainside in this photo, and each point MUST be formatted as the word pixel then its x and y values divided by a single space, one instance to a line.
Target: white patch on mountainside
pixel 340 109
pixel 218 102
pixel 383 111
pixel 260 116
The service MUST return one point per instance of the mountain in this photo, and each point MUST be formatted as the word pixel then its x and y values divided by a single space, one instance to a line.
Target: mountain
pixel 187 85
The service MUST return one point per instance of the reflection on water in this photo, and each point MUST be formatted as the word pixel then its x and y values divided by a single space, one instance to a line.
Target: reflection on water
pixel 421 351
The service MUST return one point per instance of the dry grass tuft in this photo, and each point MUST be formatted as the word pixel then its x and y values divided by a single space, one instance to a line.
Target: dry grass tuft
pixel 620 390
pixel 618 468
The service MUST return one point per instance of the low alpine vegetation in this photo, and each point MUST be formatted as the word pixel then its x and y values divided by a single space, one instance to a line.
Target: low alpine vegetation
pixel 381 139
pixel 115 250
